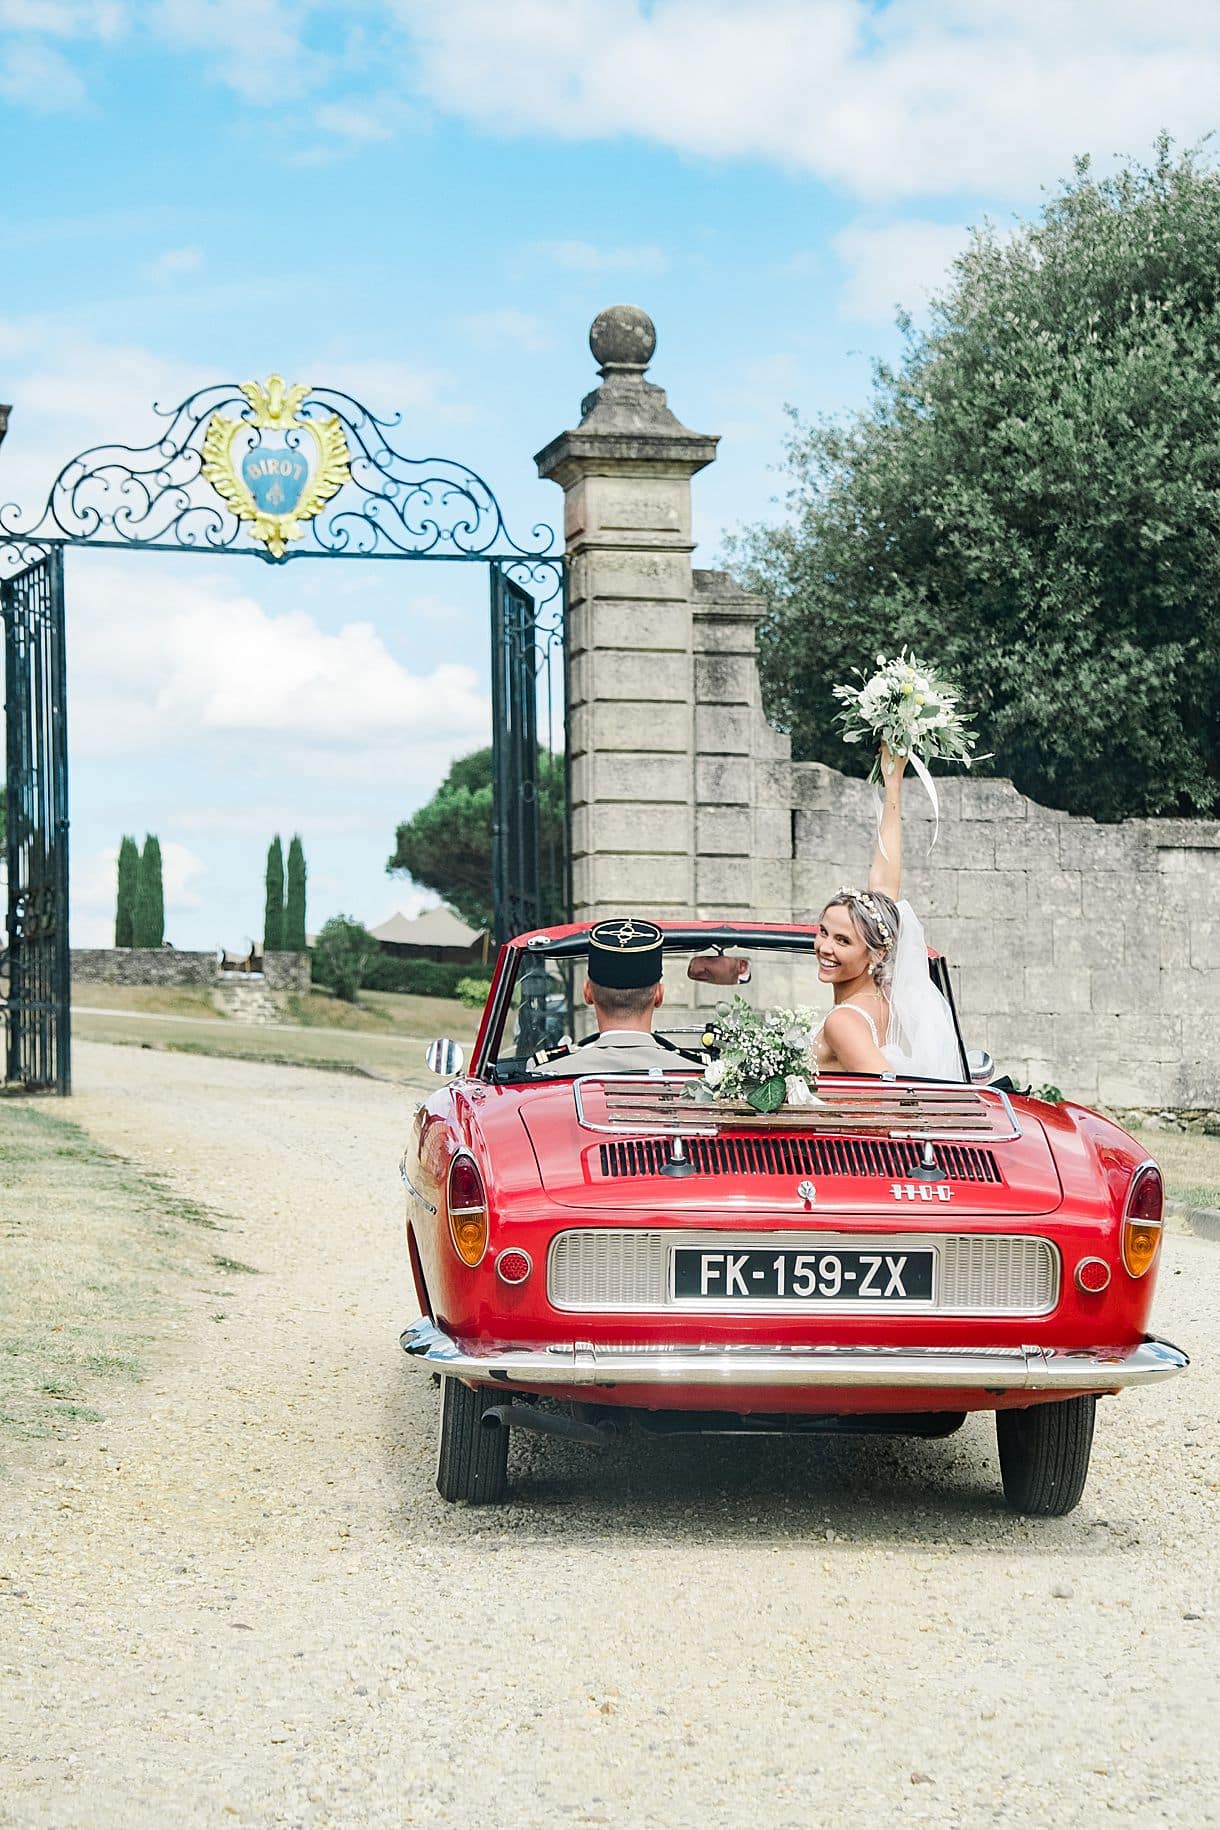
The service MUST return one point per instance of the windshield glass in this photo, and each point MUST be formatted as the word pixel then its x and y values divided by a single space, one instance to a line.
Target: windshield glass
pixel 547 1006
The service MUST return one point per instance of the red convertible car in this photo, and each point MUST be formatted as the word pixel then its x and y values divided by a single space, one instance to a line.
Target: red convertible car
pixel 592 1249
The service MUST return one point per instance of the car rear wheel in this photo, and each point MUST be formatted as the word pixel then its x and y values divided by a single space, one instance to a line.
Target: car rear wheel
pixel 471 1456
pixel 1044 1455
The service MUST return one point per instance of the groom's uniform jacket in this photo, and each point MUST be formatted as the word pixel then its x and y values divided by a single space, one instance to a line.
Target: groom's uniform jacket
pixel 614 1051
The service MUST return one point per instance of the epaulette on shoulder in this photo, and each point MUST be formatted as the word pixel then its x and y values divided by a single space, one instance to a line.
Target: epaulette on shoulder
pixel 545 1055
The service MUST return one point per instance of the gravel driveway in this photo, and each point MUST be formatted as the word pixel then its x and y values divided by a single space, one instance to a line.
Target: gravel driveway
pixel 240 1600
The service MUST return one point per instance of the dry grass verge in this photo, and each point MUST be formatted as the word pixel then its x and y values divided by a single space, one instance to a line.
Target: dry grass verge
pixel 95 1259
pixel 1190 1162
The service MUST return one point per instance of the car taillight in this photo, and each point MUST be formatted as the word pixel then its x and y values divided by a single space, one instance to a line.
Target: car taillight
pixel 1143 1219
pixel 467 1203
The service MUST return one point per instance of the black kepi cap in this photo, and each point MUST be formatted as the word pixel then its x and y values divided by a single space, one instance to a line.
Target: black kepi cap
pixel 625 953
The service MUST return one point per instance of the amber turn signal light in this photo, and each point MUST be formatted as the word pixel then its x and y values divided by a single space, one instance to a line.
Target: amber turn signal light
pixel 1143 1220
pixel 467 1204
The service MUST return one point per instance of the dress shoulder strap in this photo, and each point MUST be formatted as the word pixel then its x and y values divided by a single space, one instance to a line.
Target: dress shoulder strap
pixel 862 1013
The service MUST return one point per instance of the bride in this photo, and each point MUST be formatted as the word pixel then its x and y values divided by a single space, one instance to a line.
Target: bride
pixel 888 1016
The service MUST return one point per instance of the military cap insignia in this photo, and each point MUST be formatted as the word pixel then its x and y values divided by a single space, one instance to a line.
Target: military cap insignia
pixel 625 952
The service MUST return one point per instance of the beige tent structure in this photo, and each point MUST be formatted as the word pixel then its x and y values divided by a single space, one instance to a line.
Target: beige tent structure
pixel 437 934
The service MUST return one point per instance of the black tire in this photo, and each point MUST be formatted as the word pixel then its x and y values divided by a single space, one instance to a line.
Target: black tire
pixel 471 1457
pixel 1044 1455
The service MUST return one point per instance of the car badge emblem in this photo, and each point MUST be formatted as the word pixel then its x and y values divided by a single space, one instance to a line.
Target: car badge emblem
pixel 275 467
pixel 807 1193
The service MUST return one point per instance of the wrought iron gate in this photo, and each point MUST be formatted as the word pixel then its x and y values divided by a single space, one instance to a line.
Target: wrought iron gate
pixel 35 993
pixel 529 777
pixel 278 473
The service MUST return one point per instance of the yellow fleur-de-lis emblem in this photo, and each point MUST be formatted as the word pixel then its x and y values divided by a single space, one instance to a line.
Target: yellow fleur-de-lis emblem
pixel 278 483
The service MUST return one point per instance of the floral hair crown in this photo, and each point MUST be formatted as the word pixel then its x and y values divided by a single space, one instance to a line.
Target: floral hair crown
pixel 871 907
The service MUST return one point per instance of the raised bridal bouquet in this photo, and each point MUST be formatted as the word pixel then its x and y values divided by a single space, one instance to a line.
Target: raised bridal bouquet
pixel 764 1058
pixel 909 706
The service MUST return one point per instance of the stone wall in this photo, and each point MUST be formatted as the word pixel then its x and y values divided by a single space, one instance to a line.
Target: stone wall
pixel 1085 956
pixel 173 966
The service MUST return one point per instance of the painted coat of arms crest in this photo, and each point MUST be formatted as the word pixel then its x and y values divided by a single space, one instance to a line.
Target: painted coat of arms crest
pixel 274 467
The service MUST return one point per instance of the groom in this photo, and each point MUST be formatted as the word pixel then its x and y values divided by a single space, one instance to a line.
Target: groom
pixel 624 988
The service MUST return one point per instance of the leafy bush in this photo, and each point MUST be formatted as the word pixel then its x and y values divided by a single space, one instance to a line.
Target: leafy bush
pixel 1031 500
pixel 473 992
pixel 421 978
pixel 342 955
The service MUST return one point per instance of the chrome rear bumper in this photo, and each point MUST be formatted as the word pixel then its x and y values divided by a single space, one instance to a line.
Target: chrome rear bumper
pixel 1099 1369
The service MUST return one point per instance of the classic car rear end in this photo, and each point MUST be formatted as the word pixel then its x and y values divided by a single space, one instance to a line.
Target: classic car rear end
pixel 891 1259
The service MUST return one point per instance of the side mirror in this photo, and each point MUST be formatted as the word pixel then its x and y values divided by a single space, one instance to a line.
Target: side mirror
pixel 982 1067
pixel 445 1057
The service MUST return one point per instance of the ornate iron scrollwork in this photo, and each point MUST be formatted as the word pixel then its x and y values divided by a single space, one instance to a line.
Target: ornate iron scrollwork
pixel 346 491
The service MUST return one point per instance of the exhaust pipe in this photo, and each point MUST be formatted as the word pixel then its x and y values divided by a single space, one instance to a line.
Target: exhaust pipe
pixel 545 1423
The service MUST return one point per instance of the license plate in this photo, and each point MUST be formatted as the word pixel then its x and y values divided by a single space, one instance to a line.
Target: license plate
pixel 704 1274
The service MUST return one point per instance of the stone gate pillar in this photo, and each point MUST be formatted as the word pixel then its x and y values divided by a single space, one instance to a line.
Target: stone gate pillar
pixel 625 472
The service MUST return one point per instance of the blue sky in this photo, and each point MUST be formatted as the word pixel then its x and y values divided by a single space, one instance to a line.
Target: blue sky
pixel 426 206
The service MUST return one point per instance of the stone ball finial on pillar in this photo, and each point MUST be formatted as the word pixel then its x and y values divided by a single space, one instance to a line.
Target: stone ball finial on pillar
pixel 622 337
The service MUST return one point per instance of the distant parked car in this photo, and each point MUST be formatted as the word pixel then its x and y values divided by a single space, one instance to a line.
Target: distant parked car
pixel 890 1260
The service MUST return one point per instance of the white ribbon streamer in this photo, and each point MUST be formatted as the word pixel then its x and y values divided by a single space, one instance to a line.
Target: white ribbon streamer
pixel 929 787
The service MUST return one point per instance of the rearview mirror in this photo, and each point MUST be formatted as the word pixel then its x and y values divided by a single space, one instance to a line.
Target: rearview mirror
pixel 719 969
pixel 445 1057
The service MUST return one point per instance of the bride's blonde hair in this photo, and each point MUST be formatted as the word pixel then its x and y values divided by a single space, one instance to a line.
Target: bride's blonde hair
pixel 874 916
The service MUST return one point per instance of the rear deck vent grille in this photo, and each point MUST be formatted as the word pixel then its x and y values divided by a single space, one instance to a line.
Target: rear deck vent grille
pixel 798 1156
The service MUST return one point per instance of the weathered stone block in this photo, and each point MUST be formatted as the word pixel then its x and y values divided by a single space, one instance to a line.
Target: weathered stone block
pixel 1030 844
pixel 772 832
pixel 723 830
pixel 1076 944
pixel 629 726
pixel 624 826
pixel 721 779
pixel 932 893
pixel 722 679
pixel 1047 991
pixel 984 799
pixel 1205 944
pixel 1128 990
pixel 601 508
pixel 773 888
pixel 642 778
pixel 618 572
pixel 722 730
pixel 615 673
pixel 1133 1083
pixel 640 626
pixel 639 883
pixel 1083 845
pixel 722 883
pixel 1000 893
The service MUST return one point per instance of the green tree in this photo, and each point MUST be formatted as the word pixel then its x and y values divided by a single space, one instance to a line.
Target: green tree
pixel 148 919
pixel 341 956
pixel 273 905
pixel 1032 500
pixel 446 845
pixel 294 898
pixel 128 874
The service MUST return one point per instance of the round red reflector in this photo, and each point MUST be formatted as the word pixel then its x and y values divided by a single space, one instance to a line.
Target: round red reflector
pixel 514 1265
pixel 1092 1274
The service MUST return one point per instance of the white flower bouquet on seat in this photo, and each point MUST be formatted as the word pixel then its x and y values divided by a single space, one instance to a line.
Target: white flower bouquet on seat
pixel 764 1061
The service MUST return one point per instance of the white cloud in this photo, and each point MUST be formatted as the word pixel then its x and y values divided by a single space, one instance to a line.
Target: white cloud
pixel 894 264
pixel 64 18
pixel 37 77
pixel 585 257
pixel 174 262
pixel 257 47
pixel 918 97
pixel 519 330
pixel 367 120
pixel 162 658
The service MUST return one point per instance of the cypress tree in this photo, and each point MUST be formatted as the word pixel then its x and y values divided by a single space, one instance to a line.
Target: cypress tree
pixel 148 922
pixel 125 897
pixel 294 899
pixel 273 907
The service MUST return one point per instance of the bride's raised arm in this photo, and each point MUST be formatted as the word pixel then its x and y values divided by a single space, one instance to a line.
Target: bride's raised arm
pixel 885 872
